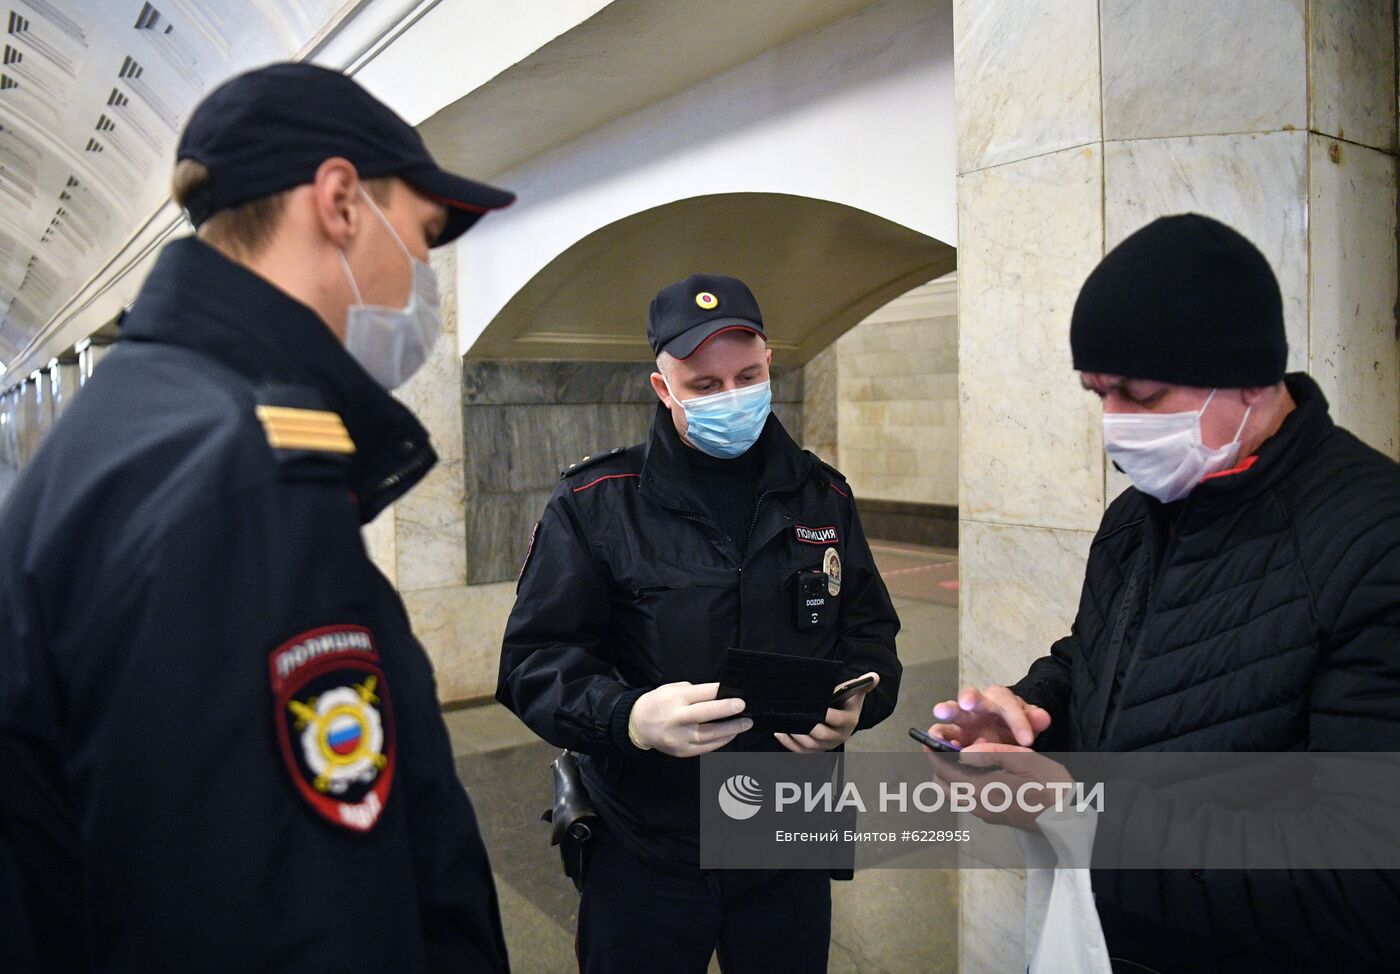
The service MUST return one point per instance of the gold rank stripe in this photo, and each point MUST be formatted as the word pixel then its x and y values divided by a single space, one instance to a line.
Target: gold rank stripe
pixel 305 429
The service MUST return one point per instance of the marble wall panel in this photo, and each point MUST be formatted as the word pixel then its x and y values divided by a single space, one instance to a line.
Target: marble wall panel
pixel 381 543
pixel 435 396
pixel 526 447
pixel 1029 234
pixel 993 912
pixel 461 627
pixel 1355 354
pixel 499 526
pixel 444 263
pixel 1352 70
pixel 1019 593
pixel 1255 183
pixel 1182 67
pixel 819 390
pixel 431 534
pixel 1026 76
pixel 500 382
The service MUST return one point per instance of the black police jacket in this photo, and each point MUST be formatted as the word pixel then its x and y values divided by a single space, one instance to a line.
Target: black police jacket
pixel 220 743
pixel 629 585
pixel 1263 616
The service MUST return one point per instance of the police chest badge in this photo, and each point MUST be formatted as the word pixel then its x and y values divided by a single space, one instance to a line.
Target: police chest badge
pixel 335 723
pixel 831 564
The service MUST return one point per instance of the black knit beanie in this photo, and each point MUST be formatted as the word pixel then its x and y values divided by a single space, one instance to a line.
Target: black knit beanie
pixel 1185 300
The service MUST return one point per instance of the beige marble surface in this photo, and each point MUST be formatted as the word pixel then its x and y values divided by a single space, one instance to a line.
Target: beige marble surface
pixel 1031 443
pixel 1255 183
pixel 1355 355
pixel 819 429
pixel 1026 77
pixel 1184 67
pixel 380 538
pixel 897 399
pixel 435 396
pixel 1352 70
pixel 431 543
pixel 461 627
pixel 1019 593
pixel 992 933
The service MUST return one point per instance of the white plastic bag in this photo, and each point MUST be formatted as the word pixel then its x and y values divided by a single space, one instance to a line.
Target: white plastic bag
pixel 1063 935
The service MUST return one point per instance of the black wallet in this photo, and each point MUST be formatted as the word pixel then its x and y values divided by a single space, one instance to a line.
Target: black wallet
pixel 781 693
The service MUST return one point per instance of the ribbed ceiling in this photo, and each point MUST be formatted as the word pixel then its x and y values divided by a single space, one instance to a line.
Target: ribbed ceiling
pixel 92 97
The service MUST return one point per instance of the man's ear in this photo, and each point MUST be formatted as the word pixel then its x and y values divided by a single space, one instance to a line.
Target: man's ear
pixel 335 191
pixel 658 386
pixel 768 354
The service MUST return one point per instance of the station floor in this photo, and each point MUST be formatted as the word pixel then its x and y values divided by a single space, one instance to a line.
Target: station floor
pixel 885 921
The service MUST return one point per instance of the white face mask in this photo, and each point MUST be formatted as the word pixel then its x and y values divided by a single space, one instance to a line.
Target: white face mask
pixel 393 343
pixel 1163 453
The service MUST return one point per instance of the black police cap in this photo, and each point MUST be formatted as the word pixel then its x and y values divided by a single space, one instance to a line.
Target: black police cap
pixel 684 315
pixel 270 129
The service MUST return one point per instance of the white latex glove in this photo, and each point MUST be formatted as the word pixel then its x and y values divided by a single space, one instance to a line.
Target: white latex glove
pixel 685 720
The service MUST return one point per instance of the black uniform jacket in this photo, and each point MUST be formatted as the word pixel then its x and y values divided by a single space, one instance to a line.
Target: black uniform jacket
pixel 220 743
pixel 629 586
pixel 1264 617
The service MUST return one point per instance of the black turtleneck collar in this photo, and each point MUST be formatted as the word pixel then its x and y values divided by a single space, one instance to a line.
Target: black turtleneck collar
pixel 777 463
pixel 197 298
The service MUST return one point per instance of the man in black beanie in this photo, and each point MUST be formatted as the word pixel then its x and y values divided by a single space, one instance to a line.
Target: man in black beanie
pixel 1243 595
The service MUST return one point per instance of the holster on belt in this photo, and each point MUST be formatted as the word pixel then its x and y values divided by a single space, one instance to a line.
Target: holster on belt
pixel 573 819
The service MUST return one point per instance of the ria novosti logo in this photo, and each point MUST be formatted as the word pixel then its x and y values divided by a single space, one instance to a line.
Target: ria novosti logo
pixel 740 797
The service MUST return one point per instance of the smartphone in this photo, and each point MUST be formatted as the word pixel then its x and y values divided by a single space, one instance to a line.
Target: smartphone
pixel 928 740
pixel 846 690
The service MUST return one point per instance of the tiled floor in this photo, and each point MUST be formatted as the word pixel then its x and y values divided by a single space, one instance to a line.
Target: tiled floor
pixel 885 921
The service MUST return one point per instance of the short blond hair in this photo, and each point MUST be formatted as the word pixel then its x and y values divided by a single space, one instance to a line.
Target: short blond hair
pixel 248 228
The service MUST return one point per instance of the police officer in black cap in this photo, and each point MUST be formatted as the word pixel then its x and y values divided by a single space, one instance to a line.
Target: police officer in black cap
pixel 649 563
pixel 220 746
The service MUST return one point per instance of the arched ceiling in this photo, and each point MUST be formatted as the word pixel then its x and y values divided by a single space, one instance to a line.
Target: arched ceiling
pixel 92 97
pixel 816 267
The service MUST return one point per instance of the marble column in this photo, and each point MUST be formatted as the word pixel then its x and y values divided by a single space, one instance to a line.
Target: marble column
pixel 420 542
pixel 64 381
pixel 1078 122
pixel 9 449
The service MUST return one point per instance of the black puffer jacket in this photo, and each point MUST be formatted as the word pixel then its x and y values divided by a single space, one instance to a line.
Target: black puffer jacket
pixel 1262 613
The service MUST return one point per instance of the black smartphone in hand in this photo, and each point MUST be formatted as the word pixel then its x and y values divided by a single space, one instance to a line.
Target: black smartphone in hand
pixel 847 690
pixel 929 741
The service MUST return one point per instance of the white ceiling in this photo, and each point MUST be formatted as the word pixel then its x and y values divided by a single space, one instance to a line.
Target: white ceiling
pixel 93 94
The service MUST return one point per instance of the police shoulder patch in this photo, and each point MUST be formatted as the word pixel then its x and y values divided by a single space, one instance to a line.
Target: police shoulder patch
pixel 834 478
pixel 295 419
pixel 335 723
pixel 593 459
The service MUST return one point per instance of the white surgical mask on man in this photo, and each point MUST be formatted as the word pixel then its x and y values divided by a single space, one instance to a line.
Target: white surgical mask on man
pixel 1163 453
pixel 393 343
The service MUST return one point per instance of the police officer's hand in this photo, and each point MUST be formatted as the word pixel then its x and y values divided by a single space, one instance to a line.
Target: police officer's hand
pixel 836 729
pixel 991 716
pixel 684 719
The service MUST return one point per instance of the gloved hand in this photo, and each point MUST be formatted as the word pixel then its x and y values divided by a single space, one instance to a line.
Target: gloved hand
pixel 684 719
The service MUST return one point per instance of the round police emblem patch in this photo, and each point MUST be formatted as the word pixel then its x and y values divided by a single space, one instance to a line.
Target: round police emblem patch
pixel 335 723
pixel 831 564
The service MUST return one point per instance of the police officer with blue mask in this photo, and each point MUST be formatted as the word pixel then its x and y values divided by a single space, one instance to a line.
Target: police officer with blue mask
pixel 220 743
pixel 648 564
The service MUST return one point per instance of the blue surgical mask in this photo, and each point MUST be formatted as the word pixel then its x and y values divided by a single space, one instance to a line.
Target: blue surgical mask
pixel 726 424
